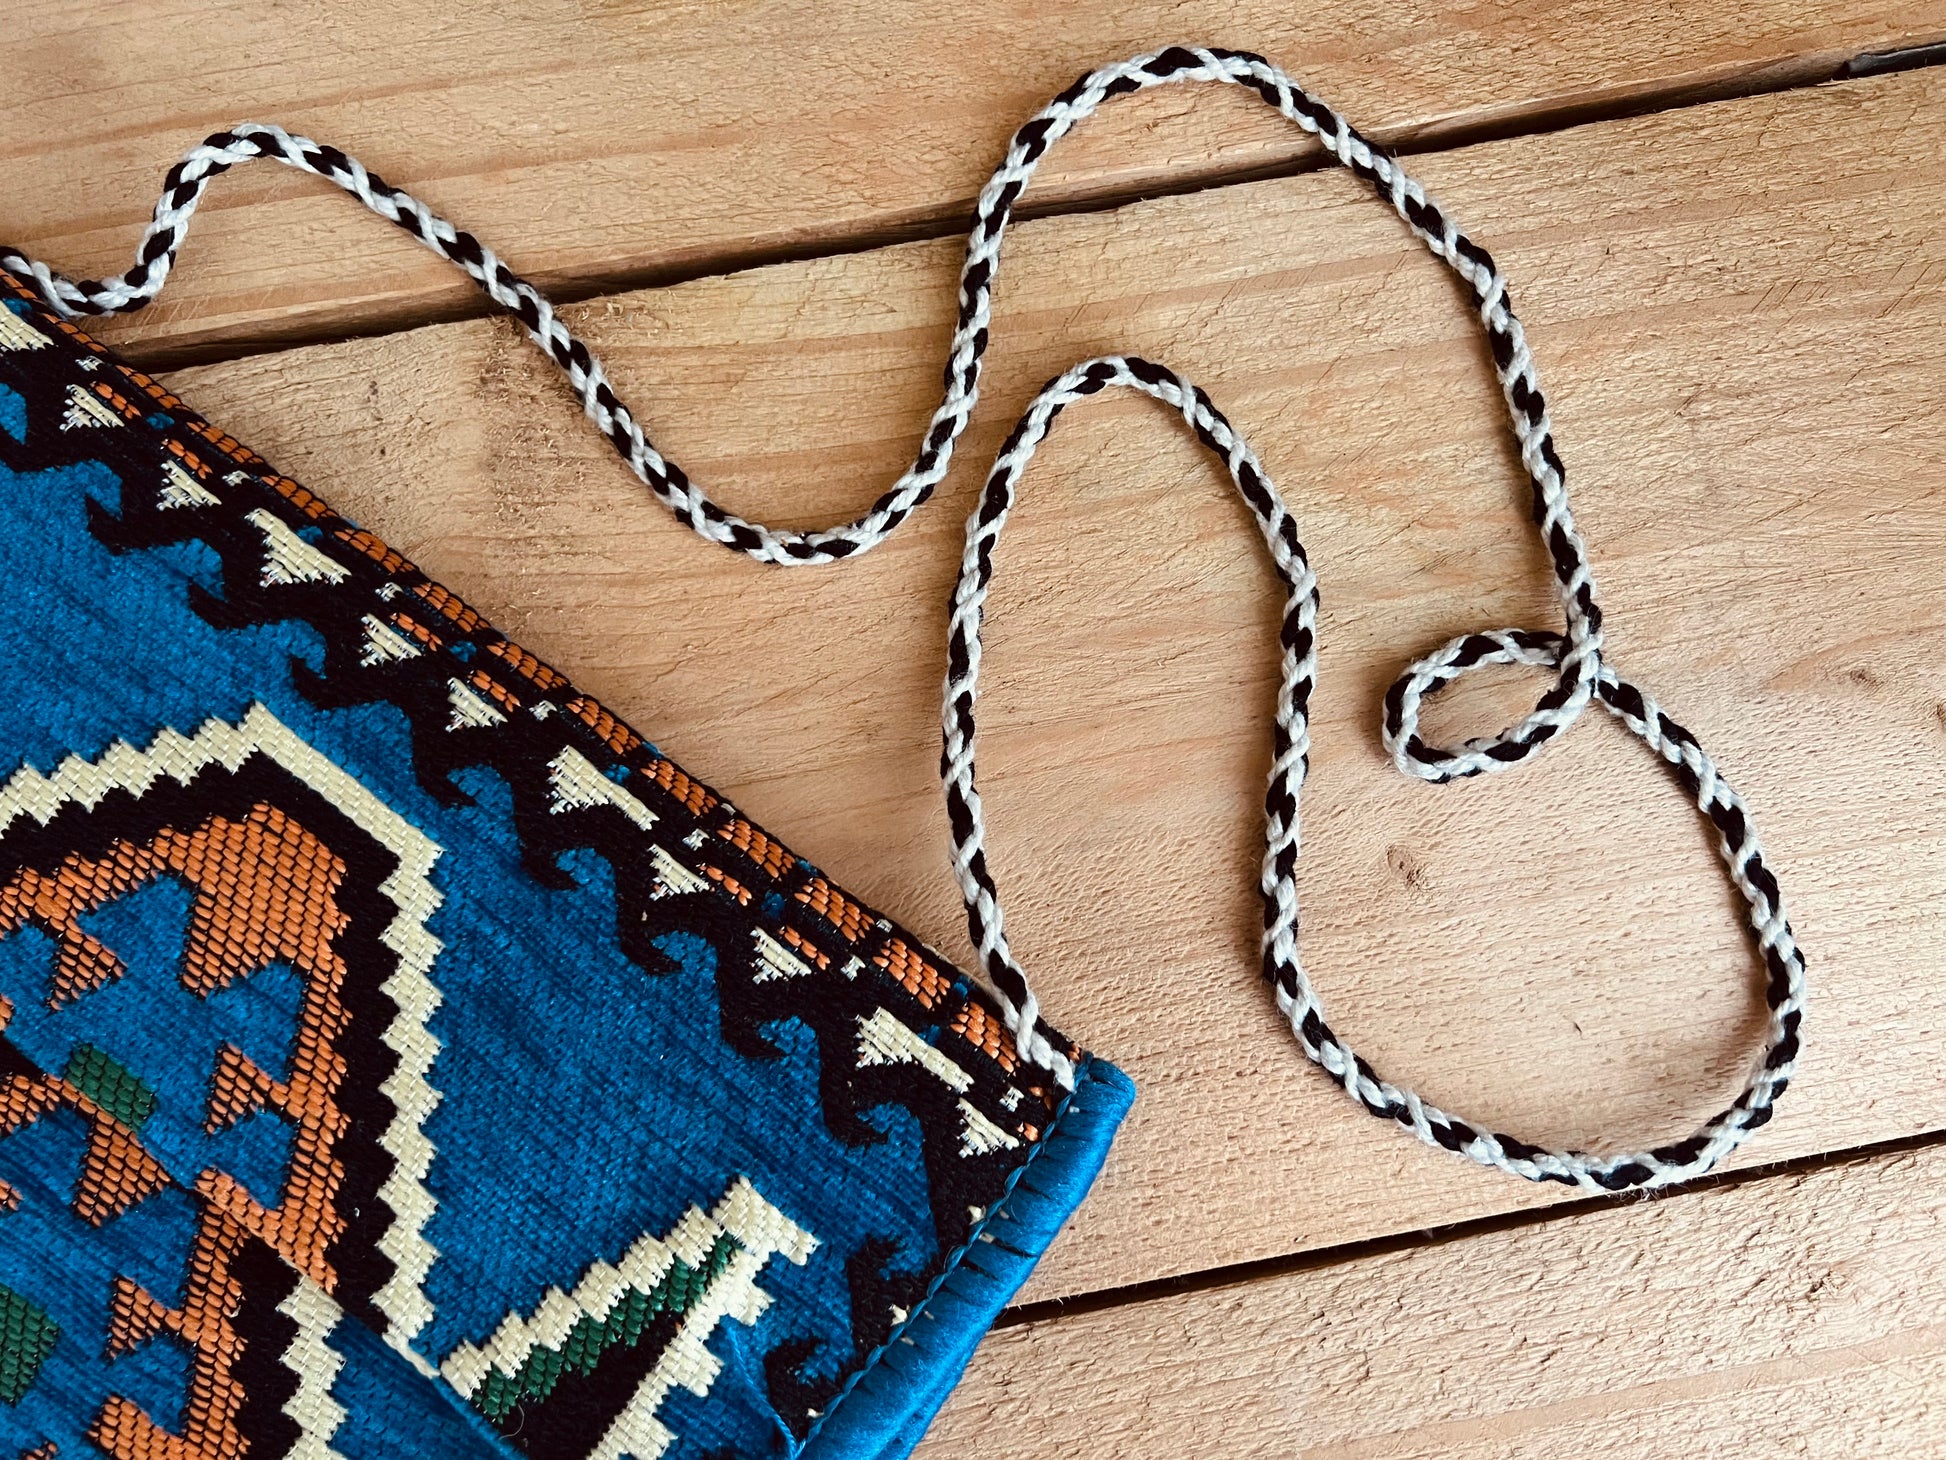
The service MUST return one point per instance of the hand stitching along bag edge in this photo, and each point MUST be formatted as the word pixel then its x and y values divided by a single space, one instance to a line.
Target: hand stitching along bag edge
pixel 1581 674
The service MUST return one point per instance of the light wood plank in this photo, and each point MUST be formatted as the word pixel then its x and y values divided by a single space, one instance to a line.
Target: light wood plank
pixel 1739 310
pixel 1797 1316
pixel 615 140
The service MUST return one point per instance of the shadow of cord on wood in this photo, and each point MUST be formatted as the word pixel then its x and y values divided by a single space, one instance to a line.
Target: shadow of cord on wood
pixel 1574 655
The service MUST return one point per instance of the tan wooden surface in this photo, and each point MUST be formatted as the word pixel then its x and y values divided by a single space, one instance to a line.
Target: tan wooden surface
pixel 604 140
pixel 1798 1316
pixel 1738 309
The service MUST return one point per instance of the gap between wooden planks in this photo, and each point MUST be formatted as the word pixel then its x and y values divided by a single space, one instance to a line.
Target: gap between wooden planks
pixel 1796 1315
pixel 602 141
pixel 1737 309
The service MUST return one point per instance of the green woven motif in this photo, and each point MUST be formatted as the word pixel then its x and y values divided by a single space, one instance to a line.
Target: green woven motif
pixel 27 1337
pixel 681 1289
pixel 110 1085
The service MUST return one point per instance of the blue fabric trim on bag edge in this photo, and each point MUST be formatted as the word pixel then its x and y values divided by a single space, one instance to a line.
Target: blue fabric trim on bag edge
pixel 885 1408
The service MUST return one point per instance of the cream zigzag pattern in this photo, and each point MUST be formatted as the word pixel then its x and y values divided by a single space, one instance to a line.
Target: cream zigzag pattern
pixel 760 1232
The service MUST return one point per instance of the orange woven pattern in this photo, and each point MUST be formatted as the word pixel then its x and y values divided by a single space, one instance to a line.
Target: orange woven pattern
pixel 450 605
pixel 619 737
pixel 527 665
pixel 986 1034
pixel 926 983
pixel 835 908
pixel 770 855
pixel 364 542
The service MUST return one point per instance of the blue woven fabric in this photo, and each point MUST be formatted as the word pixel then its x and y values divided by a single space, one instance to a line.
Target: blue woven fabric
pixel 526 1098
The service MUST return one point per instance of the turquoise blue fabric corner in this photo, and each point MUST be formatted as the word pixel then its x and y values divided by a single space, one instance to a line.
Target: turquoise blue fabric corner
pixel 893 1399
pixel 524 1097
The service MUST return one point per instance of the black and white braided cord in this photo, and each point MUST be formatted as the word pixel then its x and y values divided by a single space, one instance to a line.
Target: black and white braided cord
pixel 186 182
pixel 1574 655
pixel 1736 836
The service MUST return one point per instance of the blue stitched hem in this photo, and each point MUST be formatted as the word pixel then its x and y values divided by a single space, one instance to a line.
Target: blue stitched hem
pixel 885 1408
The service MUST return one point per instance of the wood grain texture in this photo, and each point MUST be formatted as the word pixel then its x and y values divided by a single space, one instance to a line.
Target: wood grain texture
pixel 606 140
pixel 1738 310
pixel 1795 1316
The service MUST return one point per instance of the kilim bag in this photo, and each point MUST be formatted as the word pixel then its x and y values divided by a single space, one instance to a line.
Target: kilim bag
pixel 400 1056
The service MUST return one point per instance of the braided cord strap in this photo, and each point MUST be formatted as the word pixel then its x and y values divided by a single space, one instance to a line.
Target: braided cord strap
pixel 1736 835
pixel 186 182
pixel 1573 656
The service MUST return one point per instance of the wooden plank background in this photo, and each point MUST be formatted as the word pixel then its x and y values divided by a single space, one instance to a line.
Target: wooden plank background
pixel 608 141
pixel 1737 307
pixel 1798 1316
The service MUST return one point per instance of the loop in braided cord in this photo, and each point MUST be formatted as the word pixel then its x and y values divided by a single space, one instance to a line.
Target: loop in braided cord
pixel 1736 836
